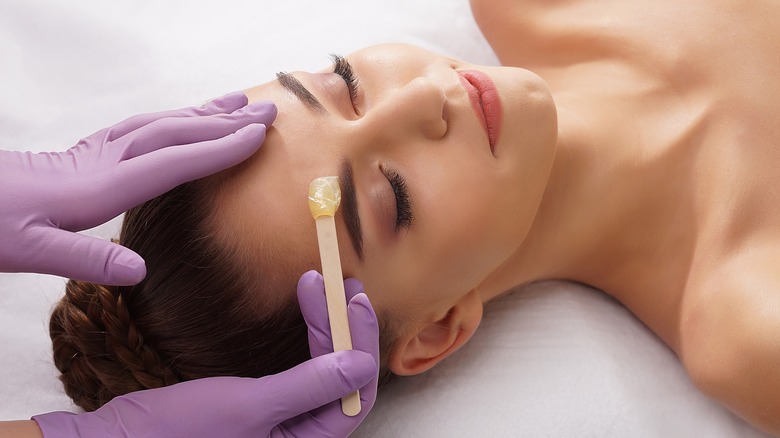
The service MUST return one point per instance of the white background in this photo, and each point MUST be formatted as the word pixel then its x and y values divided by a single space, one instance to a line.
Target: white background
pixel 553 360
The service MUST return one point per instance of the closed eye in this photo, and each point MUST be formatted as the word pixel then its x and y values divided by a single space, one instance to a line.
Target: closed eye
pixel 344 69
pixel 403 202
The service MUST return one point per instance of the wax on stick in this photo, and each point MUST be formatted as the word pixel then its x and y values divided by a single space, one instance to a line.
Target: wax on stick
pixel 324 200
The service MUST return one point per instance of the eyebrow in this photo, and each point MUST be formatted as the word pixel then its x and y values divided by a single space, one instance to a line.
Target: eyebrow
pixel 294 86
pixel 349 199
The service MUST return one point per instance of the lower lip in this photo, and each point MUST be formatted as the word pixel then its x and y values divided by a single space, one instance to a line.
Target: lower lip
pixel 485 101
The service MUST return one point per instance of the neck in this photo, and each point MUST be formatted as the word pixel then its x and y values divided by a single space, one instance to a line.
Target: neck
pixel 551 250
pixel 605 218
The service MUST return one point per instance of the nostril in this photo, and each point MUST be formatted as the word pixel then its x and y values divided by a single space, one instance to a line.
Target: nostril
pixel 437 127
pixel 433 107
pixel 445 114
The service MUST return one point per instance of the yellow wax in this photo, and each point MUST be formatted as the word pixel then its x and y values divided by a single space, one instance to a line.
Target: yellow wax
pixel 324 196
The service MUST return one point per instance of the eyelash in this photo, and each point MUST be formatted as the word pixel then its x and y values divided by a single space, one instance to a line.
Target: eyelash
pixel 402 200
pixel 344 69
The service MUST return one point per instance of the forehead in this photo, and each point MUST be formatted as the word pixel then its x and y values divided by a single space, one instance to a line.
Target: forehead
pixel 263 207
pixel 267 239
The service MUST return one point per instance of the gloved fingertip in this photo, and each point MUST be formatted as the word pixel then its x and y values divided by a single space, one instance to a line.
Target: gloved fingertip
pixel 309 284
pixel 265 109
pixel 127 269
pixel 310 278
pixel 363 325
pixel 360 302
pixel 357 367
pixel 229 102
pixel 256 131
pixel 263 105
pixel 352 287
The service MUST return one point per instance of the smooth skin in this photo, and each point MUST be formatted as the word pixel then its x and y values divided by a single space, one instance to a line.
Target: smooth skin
pixel 413 115
pixel 20 429
pixel 638 158
pixel 663 192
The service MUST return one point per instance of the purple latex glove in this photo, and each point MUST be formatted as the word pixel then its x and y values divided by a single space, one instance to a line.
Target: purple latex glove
pixel 301 402
pixel 329 420
pixel 45 198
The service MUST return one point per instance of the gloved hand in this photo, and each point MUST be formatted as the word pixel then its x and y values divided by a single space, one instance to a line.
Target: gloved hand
pixel 46 197
pixel 329 421
pixel 301 402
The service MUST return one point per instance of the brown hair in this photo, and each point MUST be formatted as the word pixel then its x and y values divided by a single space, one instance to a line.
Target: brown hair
pixel 196 314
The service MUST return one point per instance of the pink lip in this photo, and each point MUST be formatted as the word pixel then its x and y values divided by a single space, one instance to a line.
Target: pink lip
pixel 485 102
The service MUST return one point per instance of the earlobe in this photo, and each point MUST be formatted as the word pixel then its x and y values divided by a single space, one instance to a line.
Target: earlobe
pixel 420 351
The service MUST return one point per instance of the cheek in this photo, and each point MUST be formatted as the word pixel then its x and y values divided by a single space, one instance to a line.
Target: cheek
pixel 438 263
pixel 472 216
pixel 472 241
pixel 465 227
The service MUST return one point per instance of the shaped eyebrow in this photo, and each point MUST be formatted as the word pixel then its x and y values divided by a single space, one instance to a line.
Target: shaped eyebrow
pixel 294 86
pixel 349 202
pixel 347 182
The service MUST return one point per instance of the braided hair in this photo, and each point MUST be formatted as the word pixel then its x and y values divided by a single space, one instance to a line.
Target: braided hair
pixel 99 349
pixel 195 315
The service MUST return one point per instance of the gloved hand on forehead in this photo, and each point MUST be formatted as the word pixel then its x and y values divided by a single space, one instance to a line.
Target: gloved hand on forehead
pixel 46 197
pixel 301 402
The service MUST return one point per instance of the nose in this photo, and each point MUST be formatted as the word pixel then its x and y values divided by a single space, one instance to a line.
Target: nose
pixel 414 109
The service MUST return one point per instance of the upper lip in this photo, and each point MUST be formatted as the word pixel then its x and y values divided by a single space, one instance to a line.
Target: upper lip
pixel 476 87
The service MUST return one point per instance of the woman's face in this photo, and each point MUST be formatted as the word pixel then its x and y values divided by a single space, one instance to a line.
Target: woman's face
pixel 431 204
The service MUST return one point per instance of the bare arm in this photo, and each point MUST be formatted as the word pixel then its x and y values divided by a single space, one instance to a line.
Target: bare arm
pixel 20 429
pixel 729 337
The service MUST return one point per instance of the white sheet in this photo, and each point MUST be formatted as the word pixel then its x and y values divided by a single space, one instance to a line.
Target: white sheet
pixel 557 360
pixel 554 360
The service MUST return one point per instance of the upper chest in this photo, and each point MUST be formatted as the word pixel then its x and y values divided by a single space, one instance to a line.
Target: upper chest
pixel 688 86
pixel 691 43
pixel 681 109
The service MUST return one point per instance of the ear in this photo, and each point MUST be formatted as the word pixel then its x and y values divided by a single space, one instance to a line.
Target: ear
pixel 417 352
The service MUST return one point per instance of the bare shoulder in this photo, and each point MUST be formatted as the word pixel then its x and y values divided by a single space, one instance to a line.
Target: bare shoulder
pixel 539 32
pixel 729 331
pixel 510 26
